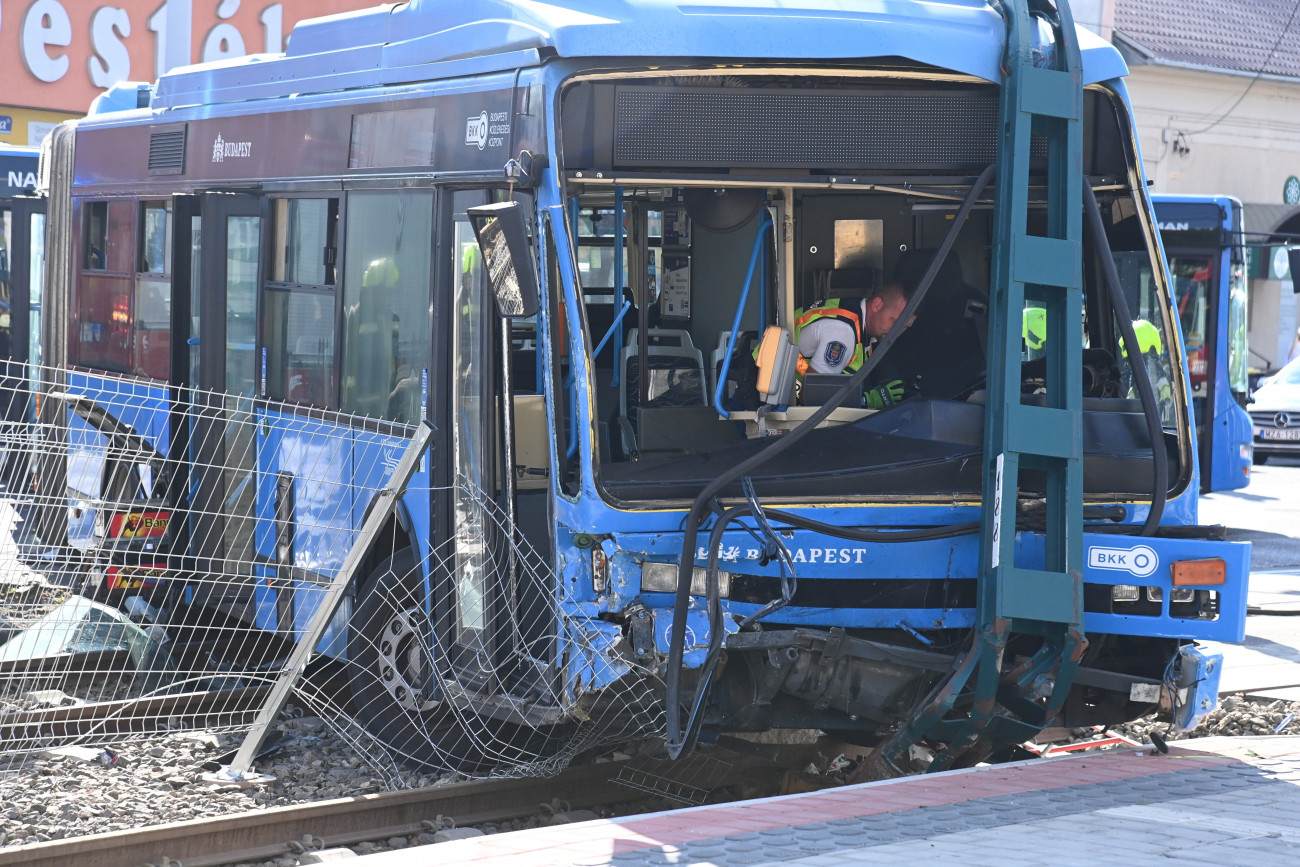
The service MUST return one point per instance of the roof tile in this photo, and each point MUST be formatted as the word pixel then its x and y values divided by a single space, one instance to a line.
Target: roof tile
pixel 1237 35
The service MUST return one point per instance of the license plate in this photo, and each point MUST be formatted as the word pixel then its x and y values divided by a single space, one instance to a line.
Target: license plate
pixel 1287 434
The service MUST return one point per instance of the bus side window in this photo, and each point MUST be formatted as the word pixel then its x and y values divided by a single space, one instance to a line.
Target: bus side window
pixel 298 323
pixel 103 333
pixel 152 325
pixel 386 324
pixel 94 236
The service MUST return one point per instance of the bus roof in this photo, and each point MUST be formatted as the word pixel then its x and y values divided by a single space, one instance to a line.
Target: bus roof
pixel 1196 211
pixel 431 39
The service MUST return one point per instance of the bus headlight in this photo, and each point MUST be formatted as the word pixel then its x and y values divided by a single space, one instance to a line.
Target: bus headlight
pixel 662 578
pixel 1125 593
pixel 1182 594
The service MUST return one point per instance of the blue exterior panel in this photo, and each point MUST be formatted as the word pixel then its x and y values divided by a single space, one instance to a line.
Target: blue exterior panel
pixel 318 455
pixel 138 403
pixel 1109 560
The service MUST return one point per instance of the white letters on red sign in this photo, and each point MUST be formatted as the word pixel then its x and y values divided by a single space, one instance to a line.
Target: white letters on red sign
pixel 46 23
pixel 110 63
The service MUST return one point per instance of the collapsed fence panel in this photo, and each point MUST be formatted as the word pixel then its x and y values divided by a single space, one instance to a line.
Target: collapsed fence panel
pixel 206 554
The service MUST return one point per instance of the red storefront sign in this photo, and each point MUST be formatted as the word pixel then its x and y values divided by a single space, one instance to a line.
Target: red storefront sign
pixel 61 54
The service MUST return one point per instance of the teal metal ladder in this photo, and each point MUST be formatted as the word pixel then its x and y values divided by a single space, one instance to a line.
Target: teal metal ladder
pixel 980 707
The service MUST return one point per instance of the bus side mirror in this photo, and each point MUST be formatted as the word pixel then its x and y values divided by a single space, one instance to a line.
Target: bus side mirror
pixel 503 240
pixel 1293 259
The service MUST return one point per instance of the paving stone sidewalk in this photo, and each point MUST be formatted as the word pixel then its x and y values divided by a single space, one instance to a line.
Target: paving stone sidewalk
pixel 1222 801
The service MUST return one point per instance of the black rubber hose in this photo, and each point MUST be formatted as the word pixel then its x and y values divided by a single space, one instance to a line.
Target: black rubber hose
pixel 713 596
pixel 675 741
pixel 1141 377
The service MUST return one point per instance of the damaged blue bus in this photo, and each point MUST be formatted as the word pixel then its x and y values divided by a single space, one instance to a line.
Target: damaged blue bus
pixel 559 235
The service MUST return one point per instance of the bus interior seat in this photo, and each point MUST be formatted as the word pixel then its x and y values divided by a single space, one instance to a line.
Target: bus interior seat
pixel 716 359
pixel 676 378
pixel 678 430
pixel 745 345
pixel 944 349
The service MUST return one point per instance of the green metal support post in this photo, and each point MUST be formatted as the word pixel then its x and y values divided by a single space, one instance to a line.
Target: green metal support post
pixel 1037 257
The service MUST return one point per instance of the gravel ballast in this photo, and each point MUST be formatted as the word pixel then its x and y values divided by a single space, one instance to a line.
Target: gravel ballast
pixel 87 790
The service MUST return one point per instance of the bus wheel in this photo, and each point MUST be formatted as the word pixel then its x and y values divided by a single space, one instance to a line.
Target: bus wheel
pixel 397 689
pixel 390 659
pixel 1259 459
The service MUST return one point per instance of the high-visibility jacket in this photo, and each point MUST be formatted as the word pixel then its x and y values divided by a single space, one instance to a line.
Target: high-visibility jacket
pixel 847 310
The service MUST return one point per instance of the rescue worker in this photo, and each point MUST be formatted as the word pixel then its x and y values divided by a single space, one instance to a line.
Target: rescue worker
pixel 837 334
pixel 1152 350
pixel 373 331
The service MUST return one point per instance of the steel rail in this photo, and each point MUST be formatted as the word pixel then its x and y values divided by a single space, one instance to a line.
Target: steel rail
pixel 267 834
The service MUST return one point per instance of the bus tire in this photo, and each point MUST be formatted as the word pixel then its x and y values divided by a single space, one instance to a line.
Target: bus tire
pixel 1258 458
pixel 391 662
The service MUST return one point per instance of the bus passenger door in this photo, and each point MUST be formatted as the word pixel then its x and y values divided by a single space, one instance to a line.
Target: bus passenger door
pixel 501 616
pixel 218 240
pixel 473 473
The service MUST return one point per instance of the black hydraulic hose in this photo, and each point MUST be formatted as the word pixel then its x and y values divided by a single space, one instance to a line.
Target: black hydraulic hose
pixel 713 597
pixel 676 741
pixel 713 594
pixel 1141 377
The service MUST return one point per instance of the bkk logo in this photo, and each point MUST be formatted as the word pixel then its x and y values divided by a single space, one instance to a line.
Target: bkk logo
pixel 476 131
pixel 1140 560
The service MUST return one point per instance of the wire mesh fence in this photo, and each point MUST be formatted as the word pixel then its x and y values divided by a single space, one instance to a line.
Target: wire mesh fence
pixel 164 551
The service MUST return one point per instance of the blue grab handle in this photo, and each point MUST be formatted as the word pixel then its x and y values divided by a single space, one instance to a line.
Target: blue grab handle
pixel 765 223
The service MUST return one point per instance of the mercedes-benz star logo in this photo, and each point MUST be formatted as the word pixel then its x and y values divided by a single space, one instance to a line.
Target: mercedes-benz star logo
pixel 1282 419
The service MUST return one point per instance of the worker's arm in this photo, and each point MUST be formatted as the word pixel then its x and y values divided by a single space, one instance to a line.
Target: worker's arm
pixel 828 345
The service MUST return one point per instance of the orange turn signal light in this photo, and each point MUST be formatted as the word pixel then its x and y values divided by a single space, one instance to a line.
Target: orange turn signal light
pixel 1196 573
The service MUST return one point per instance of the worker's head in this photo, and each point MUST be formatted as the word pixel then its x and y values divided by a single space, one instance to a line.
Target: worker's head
pixel 1148 337
pixel 380 274
pixel 884 308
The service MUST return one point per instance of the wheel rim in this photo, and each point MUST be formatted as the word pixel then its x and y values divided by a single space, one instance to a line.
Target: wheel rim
pixel 404 663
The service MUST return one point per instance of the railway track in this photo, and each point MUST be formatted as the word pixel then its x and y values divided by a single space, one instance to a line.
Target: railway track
pixel 271 833
pixel 267 834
